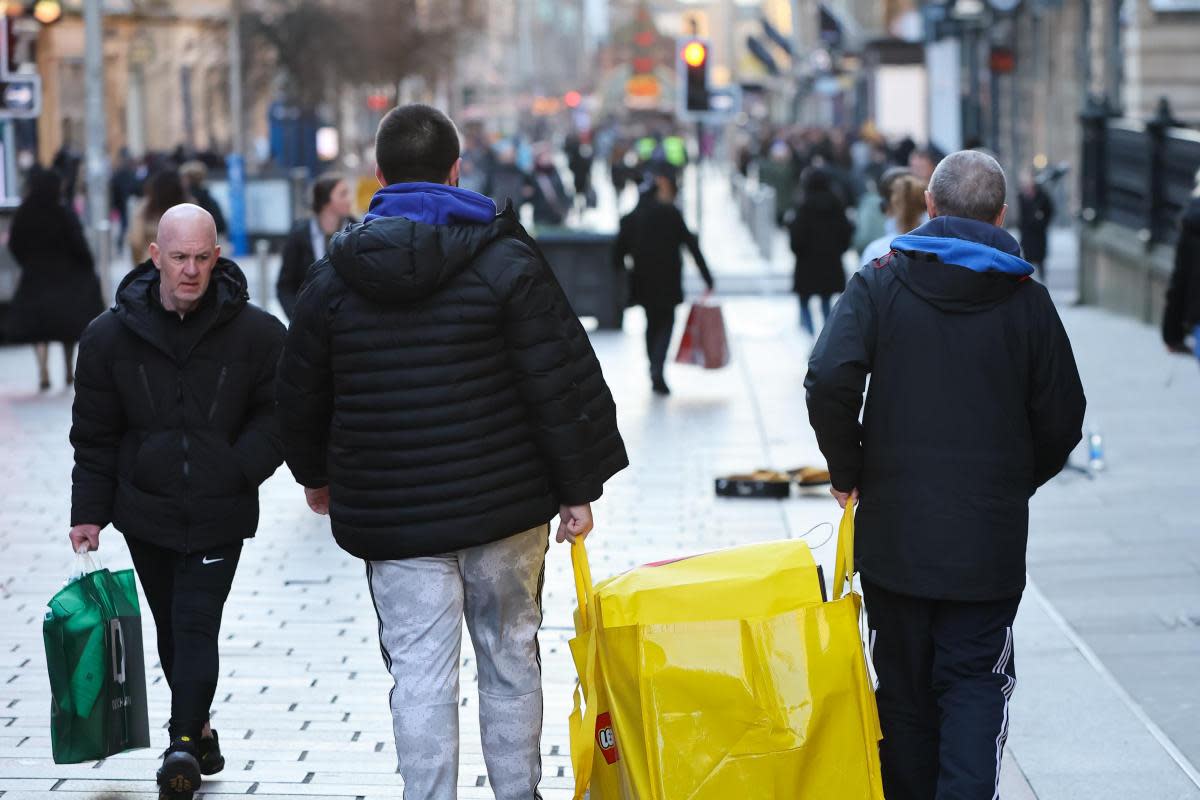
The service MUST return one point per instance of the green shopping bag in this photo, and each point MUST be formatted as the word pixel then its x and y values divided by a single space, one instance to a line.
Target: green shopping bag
pixel 93 637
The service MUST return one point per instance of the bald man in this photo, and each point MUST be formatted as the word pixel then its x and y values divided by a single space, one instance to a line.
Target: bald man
pixel 174 430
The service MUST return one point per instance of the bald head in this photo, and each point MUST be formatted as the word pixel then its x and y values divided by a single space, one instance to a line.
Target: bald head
pixel 968 184
pixel 187 221
pixel 185 253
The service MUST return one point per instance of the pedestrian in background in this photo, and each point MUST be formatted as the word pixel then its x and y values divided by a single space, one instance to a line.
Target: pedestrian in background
pixel 308 240
pixel 778 170
pixel 174 430
pixel 820 234
pixel 1035 212
pixel 974 403
pixel 551 203
pixel 123 186
pixel 905 211
pixel 58 292
pixel 163 190
pixel 653 234
pixel 195 183
pixel 579 160
pixel 1181 317
pixel 507 182
pixel 869 217
pixel 470 410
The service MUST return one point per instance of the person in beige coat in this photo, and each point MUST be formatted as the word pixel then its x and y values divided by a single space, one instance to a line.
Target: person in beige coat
pixel 163 190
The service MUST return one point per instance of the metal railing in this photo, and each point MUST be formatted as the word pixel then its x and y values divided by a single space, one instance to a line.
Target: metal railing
pixel 1138 174
pixel 756 205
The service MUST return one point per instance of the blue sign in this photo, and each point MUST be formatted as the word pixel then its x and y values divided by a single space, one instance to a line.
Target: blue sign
pixel 236 169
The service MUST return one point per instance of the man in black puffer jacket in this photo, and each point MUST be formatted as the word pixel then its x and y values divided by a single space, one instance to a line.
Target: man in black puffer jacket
pixel 441 402
pixel 974 403
pixel 174 429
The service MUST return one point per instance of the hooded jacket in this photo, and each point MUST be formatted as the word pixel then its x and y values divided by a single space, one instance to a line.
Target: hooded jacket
pixel 173 422
pixel 819 233
pixel 436 379
pixel 1182 313
pixel 974 402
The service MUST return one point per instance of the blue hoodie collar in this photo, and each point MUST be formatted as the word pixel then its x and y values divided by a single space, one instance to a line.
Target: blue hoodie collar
pixel 432 204
pixel 968 243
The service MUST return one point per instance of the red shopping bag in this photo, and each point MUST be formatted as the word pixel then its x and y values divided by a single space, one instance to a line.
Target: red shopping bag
pixel 704 343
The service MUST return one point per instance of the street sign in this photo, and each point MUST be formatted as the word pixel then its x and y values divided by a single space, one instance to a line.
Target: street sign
pixel 20 96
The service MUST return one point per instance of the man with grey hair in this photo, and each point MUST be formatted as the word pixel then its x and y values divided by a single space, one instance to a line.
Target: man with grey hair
pixel 974 402
pixel 174 430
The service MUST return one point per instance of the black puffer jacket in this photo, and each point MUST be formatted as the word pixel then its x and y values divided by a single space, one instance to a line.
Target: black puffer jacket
pixel 975 402
pixel 173 423
pixel 437 380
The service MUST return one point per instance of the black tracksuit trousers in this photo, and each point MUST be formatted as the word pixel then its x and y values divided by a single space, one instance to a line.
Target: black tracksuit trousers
pixel 946 674
pixel 660 324
pixel 187 594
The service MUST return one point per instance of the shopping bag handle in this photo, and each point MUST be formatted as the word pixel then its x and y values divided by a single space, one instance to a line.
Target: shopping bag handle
pixel 582 720
pixel 84 564
pixel 843 568
pixel 584 594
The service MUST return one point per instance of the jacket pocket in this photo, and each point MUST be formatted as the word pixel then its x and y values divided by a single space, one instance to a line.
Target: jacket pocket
pixel 146 387
pixel 212 410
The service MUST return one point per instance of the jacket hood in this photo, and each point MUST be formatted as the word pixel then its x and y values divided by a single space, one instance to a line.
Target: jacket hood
pixel 985 260
pixel 432 204
pixel 138 308
pixel 397 259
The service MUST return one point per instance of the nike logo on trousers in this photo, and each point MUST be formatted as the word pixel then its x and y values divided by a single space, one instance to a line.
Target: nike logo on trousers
pixel 206 560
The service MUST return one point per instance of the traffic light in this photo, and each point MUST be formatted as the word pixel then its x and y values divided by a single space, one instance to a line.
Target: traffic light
pixel 694 55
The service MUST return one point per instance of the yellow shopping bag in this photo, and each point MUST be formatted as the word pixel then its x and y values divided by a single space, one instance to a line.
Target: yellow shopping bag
pixel 724 676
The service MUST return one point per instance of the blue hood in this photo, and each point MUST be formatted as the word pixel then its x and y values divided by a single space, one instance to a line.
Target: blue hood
pixel 977 246
pixel 432 204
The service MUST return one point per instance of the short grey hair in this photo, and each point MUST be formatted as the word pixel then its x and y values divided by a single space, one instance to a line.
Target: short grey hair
pixel 968 184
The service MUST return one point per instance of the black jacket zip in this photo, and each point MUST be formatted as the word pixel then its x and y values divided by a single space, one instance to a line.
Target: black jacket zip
pixel 146 387
pixel 217 394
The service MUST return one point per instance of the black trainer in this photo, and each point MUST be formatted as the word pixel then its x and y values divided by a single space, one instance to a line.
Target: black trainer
pixel 211 760
pixel 179 776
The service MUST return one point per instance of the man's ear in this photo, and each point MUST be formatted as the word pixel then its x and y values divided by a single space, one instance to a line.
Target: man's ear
pixel 155 254
pixel 379 176
pixel 455 172
pixel 217 251
pixel 930 206
pixel 999 223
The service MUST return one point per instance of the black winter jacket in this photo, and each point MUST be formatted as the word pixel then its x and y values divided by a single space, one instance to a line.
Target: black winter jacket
pixel 653 234
pixel 820 233
pixel 59 293
pixel 173 423
pixel 974 402
pixel 1182 313
pixel 436 379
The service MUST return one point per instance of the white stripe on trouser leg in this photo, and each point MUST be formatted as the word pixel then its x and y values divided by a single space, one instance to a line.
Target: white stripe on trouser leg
pixel 1010 683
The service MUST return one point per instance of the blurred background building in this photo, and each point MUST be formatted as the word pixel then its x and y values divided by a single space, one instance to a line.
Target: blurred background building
pixel 1097 97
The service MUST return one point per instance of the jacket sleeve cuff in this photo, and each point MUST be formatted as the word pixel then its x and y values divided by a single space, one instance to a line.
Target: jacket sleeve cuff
pixel 258 456
pixel 90 515
pixel 844 480
pixel 579 494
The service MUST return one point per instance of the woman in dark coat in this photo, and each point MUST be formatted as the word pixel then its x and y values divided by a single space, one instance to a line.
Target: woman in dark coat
pixel 58 293
pixel 820 234
pixel 308 239
pixel 1035 210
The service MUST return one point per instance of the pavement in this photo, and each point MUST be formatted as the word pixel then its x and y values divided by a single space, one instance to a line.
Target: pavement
pixel 1107 639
